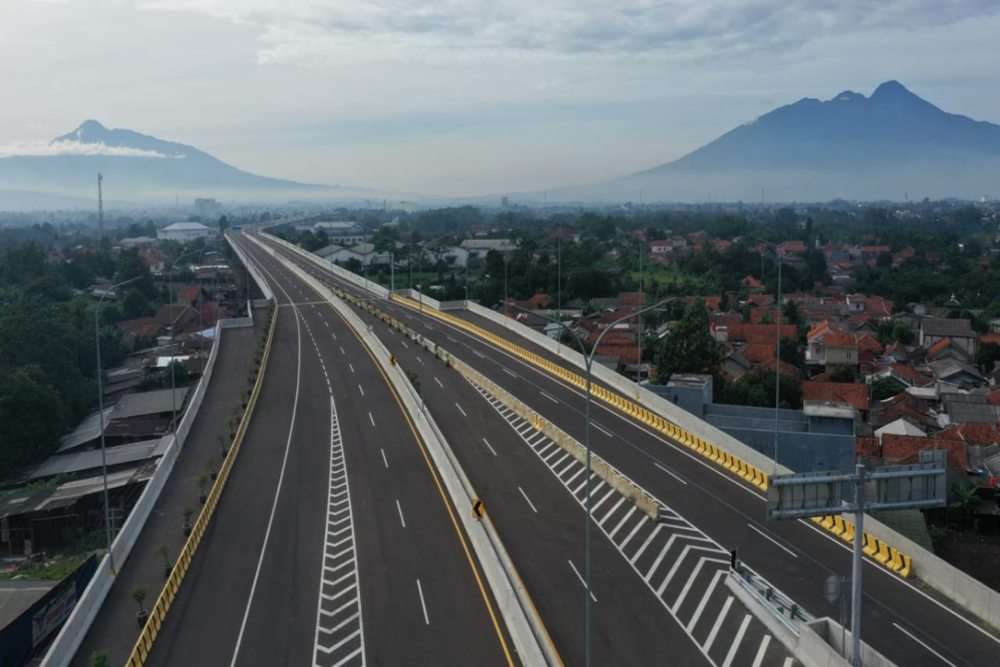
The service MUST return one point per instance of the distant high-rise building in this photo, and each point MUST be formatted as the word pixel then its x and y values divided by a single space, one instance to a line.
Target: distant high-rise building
pixel 208 210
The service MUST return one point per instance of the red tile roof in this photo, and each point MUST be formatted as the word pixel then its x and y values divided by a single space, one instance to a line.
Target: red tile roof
pixel 783 367
pixel 911 375
pixel 857 395
pixel 839 339
pixel 939 347
pixel 973 434
pixel 989 338
pixel 189 293
pixel 904 449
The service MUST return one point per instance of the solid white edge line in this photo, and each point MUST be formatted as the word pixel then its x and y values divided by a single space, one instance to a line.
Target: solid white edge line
pixel 772 540
pixel 932 651
pixel 671 473
pixel 277 491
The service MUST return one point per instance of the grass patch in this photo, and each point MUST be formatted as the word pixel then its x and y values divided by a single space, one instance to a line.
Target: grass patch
pixel 53 569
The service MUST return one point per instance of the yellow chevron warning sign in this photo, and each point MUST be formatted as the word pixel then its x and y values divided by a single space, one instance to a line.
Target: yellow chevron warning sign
pixel 478 509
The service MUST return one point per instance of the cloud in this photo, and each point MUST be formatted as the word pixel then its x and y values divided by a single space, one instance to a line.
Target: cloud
pixel 332 32
pixel 77 148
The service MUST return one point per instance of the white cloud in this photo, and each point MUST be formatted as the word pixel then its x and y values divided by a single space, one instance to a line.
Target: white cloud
pixel 57 148
pixel 336 32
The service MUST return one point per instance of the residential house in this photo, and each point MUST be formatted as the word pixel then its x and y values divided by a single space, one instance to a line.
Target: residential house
pixel 956 373
pixel 857 396
pixel 479 247
pixel 935 329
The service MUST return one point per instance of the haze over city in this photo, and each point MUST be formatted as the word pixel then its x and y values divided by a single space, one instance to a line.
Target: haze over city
pixel 445 99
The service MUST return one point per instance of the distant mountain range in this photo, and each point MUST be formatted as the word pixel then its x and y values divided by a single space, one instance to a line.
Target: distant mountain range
pixel 888 146
pixel 138 167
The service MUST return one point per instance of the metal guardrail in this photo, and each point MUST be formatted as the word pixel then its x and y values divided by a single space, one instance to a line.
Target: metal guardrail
pixel 785 609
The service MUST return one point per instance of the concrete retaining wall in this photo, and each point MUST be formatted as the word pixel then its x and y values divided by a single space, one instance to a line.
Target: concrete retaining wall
pixel 257 277
pixel 66 643
pixel 525 628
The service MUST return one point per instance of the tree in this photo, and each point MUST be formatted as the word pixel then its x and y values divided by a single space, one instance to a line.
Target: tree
pixel 132 265
pixel 987 355
pixel 788 351
pixel 757 389
pixel 134 304
pixel 689 348
pixel 791 313
pixel 887 387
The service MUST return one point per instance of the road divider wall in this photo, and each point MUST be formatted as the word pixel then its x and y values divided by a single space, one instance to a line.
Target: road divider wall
pixel 265 289
pixel 158 613
pixel 525 627
pixel 884 545
pixel 66 643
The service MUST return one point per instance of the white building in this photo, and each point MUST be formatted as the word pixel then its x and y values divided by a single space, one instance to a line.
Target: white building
pixel 479 247
pixel 184 231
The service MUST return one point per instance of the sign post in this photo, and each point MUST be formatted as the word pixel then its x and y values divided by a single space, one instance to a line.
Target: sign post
pixel 802 495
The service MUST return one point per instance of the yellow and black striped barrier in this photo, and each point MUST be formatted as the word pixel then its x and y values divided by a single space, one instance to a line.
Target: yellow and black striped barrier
pixel 719 456
pixel 877 549
pixel 158 614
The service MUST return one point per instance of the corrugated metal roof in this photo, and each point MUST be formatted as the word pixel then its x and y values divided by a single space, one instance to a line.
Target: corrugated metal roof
pixel 90 459
pixel 149 403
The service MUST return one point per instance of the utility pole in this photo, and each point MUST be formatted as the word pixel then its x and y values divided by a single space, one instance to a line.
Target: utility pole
pixel 100 207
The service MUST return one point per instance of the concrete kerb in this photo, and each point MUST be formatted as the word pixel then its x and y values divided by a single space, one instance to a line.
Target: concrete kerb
pixel 66 643
pixel 525 628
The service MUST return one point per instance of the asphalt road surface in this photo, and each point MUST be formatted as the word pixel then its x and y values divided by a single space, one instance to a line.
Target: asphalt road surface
pixel 904 620
pixel 293 570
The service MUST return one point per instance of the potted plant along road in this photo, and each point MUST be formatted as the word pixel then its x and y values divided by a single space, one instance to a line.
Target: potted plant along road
pixel 167 565
pixel 139 595
pixel 202 486
pixel 187 520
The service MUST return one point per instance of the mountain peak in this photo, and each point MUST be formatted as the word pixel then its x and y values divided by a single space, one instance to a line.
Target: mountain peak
pixel 90 131
pixel 892 89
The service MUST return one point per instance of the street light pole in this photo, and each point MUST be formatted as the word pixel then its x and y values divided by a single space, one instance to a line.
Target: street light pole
pixel 100 412
pixel 638 370
pixel 777 351
pixel 173 321
pixel 589 363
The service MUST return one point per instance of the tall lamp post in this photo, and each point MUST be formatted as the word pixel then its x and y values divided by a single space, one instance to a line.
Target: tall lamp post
pixel 777 351
pixel 173 320
pixel 100 408
pixel 589 363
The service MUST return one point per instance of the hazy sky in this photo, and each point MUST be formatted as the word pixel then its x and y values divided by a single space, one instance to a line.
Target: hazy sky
pixel 468 97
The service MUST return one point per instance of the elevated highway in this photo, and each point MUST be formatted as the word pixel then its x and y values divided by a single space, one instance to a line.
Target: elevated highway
pixel 640 616
pixel 903 619
pixel 334 543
